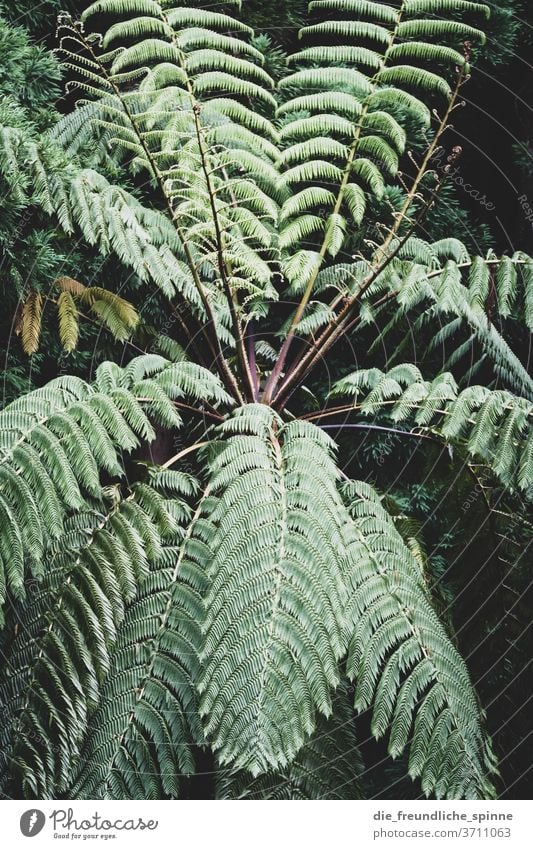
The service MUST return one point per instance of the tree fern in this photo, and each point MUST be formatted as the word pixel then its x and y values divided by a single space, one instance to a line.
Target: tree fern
pixel 220 604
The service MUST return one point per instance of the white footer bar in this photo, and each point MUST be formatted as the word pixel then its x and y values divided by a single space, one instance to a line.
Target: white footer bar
pixel 264 825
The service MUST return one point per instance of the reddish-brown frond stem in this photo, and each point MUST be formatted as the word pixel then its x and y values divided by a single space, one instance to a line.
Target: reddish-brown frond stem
pixel 221 261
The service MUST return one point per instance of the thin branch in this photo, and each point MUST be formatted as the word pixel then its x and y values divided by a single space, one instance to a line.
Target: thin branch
pixel 363 426
pixel 184 453
pixel 220 250
pixel 252 360
pixel 337 327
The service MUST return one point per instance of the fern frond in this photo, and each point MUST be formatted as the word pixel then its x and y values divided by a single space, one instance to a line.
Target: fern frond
pixel 382 94
pixel 357 8
pixel 494 426
pixel 121 7
pixel 55 440
pixel 432 28
pixel 30 323
pixel 68 321
pixel 312 196
pixel 348 30
pixel 439 6
pixel 327 767
pixel 134 28
pixel 411 77
pixel 274 632
pixel 139 739
pixel 405 665
pixel 183 17
pixel 441 279
pixel 424 52
pixel 61 653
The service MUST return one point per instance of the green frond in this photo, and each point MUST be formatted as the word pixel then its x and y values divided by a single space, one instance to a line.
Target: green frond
pixel 442 280
pixel 194 38
pixel 386 126
pixel 380 152
pixel 416 7
pixel 349 29
pixel 395 100
pixel 182 17
pixel 55 440
pixel 313 148
pixel 492 425
pixel 479 282
pixel 273 632
pixel 450 248
pixel 143 239
pixel 525 274
pixel 324 101
pixel 432 28
pixel 121 7
pixel 147 52
pixel 370 174
pixel 317 315
pixel 62 650
pixel 338 54
pixel 353 81
pixel 318 125
pixel 217 61
pixel 355 200
pixel 327 767
pixel 241 114
pixel 139 739
pixel 217 81
pixel 404 664
pixel 136 28
pixel 299 230
pixel 410 77
pixel 506 285
pixel 316 170
pixel 306 199
pixel 421 51
pixel 357 8
pixel 334 233
pixel 150 619
pixel 298 267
